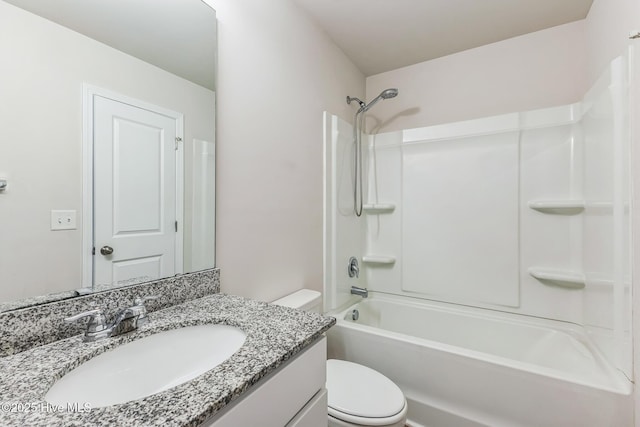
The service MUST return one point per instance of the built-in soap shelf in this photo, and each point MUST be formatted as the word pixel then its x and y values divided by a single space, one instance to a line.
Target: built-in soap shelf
pixel 562 207
pixel 379 259
pixel 562 278
pixel 378 208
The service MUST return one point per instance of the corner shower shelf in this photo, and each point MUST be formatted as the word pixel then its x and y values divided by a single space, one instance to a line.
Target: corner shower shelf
pixel 564 279
pixel 378 208
pixel 563 207
pixel 379 259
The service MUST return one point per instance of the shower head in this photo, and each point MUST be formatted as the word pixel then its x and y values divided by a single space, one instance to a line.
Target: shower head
pixel 389 93
pixel 385 94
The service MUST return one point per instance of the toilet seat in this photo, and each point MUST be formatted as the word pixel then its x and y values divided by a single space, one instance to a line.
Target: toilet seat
pixel 360 395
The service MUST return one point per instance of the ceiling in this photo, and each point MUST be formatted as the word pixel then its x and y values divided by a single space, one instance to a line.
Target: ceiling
pixel 178 36
pixel 382 35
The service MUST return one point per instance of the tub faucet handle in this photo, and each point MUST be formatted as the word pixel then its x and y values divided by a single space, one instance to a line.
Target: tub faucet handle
pixel 353 268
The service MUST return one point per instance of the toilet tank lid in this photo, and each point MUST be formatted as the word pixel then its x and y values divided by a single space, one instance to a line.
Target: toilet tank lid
pixel 302 299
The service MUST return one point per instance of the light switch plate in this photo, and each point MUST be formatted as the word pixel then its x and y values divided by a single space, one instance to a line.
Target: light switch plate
pixel 63 220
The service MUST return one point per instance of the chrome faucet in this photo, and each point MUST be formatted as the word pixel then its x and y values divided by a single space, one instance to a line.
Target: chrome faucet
pixel 359 291
pixel 125 320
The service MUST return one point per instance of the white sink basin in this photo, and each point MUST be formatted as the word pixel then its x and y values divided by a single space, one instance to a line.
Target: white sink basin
pixel 147 366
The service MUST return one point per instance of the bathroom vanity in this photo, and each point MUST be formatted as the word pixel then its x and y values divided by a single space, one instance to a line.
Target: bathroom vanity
pixel 293 396
pixel 276 377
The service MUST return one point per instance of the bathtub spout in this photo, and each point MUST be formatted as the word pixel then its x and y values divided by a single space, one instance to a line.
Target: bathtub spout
pixel 359 291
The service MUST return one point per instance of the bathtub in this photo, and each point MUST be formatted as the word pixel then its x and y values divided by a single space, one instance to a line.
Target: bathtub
pixel 466 367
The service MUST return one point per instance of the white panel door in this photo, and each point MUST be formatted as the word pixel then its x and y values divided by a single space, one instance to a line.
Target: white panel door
pixel 134 193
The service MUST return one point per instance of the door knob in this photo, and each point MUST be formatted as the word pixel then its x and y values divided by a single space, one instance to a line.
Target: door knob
pixel 106 250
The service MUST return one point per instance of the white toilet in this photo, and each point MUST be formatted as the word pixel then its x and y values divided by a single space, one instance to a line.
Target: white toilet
pixel 357 395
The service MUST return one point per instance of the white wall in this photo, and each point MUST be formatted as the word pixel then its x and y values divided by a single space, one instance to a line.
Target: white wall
pixel 41 79
pixel 536 70
pixel 607 32
pixel 277 73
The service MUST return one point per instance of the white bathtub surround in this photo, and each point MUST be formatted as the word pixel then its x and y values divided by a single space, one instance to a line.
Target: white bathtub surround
pixel 342 230
pixel 463 193
pixel 458 196
pixel 466 367
pixel 524 213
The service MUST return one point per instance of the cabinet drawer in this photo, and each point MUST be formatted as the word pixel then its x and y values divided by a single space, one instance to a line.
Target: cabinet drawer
pixel 314 413
pixel 276 399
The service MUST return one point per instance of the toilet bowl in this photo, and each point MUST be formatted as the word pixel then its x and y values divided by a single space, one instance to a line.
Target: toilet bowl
pixel 357 395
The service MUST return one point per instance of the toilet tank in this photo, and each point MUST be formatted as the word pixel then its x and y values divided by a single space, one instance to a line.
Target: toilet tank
pixel 304 299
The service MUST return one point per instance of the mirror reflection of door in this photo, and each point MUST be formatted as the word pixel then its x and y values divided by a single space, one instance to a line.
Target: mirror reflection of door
pixel 136 233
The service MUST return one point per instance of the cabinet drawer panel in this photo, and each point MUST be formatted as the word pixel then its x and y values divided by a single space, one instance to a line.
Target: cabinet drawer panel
pixel 276 399
pixel 314 414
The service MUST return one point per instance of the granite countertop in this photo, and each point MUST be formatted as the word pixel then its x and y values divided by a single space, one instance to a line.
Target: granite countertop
pixel 274 335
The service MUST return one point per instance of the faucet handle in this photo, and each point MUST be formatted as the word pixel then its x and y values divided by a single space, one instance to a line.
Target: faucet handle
pixel 353 268
pixel 97 321
pixel 141 309
pixel 142 300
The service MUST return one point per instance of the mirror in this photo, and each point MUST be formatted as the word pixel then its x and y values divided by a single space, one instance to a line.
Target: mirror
pixel 63 59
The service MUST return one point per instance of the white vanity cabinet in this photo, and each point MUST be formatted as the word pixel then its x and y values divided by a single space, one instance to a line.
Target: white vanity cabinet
pixel 292 396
